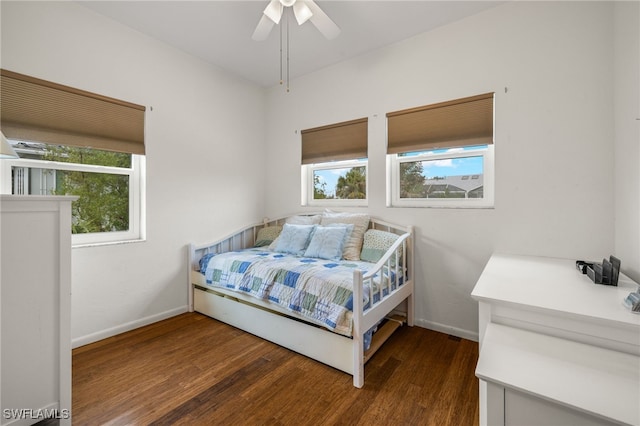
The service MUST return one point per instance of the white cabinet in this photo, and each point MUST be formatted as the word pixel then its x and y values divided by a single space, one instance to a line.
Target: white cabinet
pixel 555 348
pixel 35 309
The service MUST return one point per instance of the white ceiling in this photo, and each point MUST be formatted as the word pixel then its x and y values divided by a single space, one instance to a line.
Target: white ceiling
pixel 220 31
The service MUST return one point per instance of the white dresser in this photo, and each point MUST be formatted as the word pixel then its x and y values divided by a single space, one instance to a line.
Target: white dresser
pixel 555 348
pixel 35 309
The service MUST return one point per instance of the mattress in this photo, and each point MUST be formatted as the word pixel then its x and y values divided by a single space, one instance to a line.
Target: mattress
pixel 318 290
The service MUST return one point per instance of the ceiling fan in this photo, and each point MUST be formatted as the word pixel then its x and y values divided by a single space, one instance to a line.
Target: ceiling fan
pixel 303 10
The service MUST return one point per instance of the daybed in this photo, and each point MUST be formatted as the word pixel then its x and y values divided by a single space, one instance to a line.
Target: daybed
pixel 318 284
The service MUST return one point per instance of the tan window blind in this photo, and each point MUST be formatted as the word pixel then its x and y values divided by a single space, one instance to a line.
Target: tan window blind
pixel 461 122
pixel 340 141
pixel 42 111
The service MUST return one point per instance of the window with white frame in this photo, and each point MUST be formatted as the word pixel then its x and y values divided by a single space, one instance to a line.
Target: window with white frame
pixel 334 164
pixel 109 186
pixel 339 182
pixel 455 177
pixel 72 142
pixel 442 155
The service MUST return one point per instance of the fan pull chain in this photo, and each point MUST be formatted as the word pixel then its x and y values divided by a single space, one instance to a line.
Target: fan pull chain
pixel 281 80
pixel 287 17
pixel 284 68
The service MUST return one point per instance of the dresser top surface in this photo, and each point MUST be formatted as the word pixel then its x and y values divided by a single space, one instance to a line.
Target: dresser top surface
pixel 542 283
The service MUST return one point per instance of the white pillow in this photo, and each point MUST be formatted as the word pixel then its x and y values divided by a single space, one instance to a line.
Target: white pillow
pixel 304 220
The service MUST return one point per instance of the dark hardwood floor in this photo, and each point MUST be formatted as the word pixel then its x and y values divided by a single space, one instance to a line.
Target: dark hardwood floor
pixel 193 370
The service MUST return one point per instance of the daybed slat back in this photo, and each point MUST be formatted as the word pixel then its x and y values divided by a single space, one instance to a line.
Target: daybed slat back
pixel 390 271
pixel 246 238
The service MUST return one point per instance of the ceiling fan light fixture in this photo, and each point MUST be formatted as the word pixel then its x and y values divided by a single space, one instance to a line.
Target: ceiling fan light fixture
pixel 274 11
pixel 302 12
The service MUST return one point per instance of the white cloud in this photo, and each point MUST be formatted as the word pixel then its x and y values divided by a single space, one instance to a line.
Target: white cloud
pixel 455 150
pixel 438 163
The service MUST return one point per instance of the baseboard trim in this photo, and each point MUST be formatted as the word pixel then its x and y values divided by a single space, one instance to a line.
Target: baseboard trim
pixel 459 332
pixel 132 325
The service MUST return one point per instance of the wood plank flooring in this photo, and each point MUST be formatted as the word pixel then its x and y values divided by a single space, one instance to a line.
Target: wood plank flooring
pixel 193 370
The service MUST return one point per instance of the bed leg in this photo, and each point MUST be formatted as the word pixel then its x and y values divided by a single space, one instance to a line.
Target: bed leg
pixel 358 360
pixel 358 335
pixel 191 251
pixel 190 298
pixel 358 376
pixel 410 308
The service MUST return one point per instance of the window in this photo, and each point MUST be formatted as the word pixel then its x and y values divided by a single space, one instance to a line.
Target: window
pixel 441 155
pixel 108 184
pixel 340 182
pixel 453 177
pixel 73 142
pixel 334 164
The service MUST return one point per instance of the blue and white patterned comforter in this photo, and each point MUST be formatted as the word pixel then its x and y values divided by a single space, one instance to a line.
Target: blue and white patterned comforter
pixel 320 290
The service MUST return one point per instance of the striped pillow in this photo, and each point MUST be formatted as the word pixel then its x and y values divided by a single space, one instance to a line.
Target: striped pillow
pixel 360 222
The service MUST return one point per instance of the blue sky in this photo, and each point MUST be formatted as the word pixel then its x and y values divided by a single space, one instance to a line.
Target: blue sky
pixel 330 177
pixel 452 167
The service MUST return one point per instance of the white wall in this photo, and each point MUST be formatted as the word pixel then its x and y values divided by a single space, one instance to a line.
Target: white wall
pixel 554 145
pixel 627 136
pixel 554 140
pixel 204 164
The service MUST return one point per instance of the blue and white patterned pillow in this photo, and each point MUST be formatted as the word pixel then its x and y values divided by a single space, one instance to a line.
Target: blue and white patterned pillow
pixel 294 239
pixel 375 245
pixel 327 242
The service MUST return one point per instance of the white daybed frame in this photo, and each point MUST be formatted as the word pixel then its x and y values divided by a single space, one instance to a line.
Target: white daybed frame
pixel 285 328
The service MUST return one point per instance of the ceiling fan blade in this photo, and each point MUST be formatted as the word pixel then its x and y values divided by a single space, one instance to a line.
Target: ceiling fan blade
pixel 274 11
pixel 323 23
pixel 263 29
pixel 302 12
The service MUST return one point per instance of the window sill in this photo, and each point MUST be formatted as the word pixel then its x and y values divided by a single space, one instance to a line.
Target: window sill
pixel 441 206
pixel 107 243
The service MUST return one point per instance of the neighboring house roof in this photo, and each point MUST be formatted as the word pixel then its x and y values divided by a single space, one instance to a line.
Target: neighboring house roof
pixel 29 149
pixel 464 183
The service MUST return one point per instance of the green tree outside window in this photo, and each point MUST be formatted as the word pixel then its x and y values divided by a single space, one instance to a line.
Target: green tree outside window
pixel 103 203
pixel 353 185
